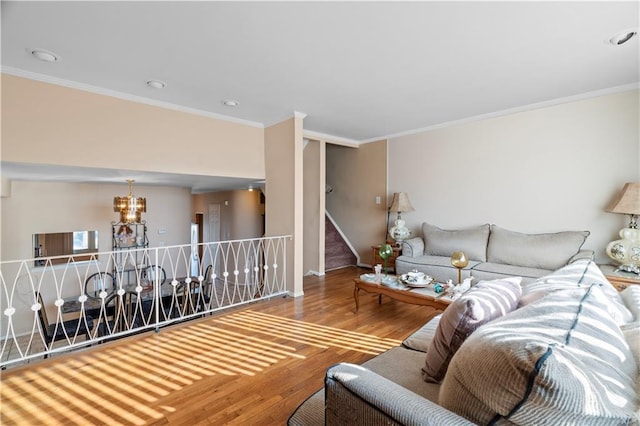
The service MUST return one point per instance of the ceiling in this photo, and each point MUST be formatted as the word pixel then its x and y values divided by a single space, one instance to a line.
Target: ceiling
pixel 360 71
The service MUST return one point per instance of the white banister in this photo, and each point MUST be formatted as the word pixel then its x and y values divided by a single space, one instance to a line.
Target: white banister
pixel 53 308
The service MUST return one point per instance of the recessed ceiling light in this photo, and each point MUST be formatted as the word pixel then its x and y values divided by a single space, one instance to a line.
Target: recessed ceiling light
pixel 156 84
pixel 230 103
pixel 44 55
pixel 623 37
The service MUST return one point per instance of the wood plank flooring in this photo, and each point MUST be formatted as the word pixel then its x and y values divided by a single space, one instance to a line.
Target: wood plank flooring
pixel 248 366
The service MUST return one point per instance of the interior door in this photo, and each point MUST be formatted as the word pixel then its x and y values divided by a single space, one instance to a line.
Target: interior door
pixel 214 235
pixel 214 223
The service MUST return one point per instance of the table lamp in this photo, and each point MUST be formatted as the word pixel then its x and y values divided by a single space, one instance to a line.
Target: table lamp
pixel 400 204
pixel 626 251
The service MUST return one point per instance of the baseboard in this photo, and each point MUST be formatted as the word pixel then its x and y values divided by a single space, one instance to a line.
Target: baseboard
pixel 296 294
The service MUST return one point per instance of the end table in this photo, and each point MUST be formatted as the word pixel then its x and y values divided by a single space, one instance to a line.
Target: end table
pixel 620 280
pixel 391 262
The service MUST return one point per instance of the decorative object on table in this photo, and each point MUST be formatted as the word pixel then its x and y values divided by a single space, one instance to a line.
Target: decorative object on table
pixel 385 252
pixel 626 251
pixel 416 279
pixel 400 204
pixel 130 207
pixel 378 270
pixel 459 260
pixel 457 290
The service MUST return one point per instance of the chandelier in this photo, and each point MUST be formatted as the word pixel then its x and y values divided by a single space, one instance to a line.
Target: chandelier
pixel 130 207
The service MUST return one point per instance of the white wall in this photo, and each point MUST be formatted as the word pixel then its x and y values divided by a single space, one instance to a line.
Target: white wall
pixel 544 170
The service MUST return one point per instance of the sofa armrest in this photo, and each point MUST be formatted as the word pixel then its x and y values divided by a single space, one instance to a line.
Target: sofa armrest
pixel 356 395
pixel 413 247
pixel 583 254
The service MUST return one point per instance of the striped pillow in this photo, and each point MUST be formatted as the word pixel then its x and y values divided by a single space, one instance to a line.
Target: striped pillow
pixel 484 302
pixel 579 274
pixel 559 361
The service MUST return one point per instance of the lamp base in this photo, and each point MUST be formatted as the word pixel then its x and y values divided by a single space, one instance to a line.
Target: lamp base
pixel 399 232
pixel 626 251
pixel 628 268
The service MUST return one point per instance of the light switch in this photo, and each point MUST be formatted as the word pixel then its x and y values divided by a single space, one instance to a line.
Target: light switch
pixel 378 199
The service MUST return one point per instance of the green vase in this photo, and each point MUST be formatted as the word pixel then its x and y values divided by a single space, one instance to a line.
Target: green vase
pixel 386 251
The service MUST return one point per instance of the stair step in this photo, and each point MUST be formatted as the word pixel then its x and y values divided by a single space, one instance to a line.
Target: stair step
pixel 337 253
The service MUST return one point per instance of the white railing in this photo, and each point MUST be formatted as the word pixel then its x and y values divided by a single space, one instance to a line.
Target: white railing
pixel 54 304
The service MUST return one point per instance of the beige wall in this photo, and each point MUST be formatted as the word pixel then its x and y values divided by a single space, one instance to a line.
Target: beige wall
pixel 45 123
pixel 358 176
pixel 42 207
pixel 314 207
pixel 240 217
pixel 545 170
pixel 284 206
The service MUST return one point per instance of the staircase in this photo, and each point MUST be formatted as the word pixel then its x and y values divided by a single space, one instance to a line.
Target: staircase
pixel 337 253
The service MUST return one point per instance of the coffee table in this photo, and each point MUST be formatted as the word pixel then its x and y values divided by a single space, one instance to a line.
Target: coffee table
pixel 401 293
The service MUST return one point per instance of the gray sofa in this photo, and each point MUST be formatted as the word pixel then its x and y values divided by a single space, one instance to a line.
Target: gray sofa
pixel 567 354
pixel 493 252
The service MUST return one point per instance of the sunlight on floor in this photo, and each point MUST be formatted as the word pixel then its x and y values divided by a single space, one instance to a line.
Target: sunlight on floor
pixel 123 383
pixel 308 333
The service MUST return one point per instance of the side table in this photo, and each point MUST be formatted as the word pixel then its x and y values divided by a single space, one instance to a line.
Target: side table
pixel 620 280
pixel 391 262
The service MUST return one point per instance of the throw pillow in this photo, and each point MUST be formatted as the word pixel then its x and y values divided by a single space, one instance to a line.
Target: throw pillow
pixel 541 251
pixel 559 361
pixel 631 334
pixel 472 241
pixel 631 298
pixel 579 274
pixel 484 302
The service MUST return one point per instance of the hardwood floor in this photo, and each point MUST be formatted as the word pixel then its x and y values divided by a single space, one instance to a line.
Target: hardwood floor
pixel 253 365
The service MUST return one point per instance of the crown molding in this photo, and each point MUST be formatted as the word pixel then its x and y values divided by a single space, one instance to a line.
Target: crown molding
pixel 336 140
pixel 17 72
pixel 525 108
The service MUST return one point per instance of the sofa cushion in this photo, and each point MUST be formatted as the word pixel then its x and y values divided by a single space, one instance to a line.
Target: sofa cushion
pixel 433 261
pixel 543 251
pixel 399 365
pixel 579 274
pixel 441 242
pixel 510 270
pixel 560 360
pixel 420 340
pixel 484 302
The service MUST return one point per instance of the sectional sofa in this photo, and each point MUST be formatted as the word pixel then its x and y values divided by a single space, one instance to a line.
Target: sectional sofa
pixel 563 349
pixel 493 252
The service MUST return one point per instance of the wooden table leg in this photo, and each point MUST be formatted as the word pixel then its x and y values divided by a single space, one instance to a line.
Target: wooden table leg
pixel 355 297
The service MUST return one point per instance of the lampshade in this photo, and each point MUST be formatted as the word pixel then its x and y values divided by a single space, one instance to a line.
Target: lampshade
pixel 628 201
pixel 401 203
pixel 130 207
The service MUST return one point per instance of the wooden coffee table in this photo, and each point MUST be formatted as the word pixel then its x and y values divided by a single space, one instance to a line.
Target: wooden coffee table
pixel 415 296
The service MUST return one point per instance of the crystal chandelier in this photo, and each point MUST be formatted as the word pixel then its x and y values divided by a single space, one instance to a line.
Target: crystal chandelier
pixel 130 207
